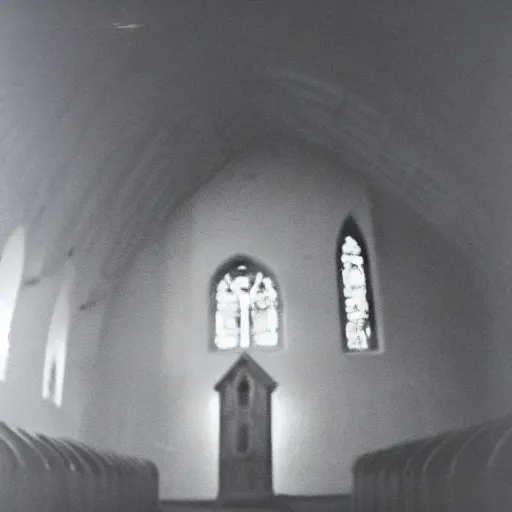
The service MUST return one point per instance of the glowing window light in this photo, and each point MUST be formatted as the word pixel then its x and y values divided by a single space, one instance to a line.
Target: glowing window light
pixel 56 344
pixel 355 292
pixel 12 262
pixel 246 308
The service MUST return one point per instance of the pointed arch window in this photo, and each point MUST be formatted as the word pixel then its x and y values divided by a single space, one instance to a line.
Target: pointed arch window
pixel 56 343
pixel 12 262
pixel 245 307
pixel 356 301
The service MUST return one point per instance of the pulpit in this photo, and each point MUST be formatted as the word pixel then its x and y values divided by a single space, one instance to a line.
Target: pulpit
pixel 245 466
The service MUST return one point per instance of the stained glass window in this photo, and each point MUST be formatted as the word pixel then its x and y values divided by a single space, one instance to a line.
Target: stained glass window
pixel 246 308
pixel 355 292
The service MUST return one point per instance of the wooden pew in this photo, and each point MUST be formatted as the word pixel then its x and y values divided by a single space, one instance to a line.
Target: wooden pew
pixel 464 470
pixel 398 472
pixel 43 474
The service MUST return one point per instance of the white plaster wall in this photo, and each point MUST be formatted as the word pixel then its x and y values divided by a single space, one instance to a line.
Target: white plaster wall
pixel 284 205
pixel 495 279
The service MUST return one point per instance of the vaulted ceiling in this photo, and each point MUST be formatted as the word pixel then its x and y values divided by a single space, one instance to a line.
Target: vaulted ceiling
pixel 113 112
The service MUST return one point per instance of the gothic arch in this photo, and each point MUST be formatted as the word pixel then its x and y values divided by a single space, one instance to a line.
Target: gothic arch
pixel 57 342
pixel 357 312
pixel 245 307
pixel 12 264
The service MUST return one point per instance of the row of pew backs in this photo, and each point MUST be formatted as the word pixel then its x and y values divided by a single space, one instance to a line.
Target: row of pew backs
pixel 465 470
pixel 44 474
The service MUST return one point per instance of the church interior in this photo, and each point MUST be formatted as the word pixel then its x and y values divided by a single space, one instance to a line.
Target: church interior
pixel 280 221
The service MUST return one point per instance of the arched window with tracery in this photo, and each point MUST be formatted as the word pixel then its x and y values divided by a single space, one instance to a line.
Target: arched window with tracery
pixel 12 263
pixel 246 307
pixel 356 301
